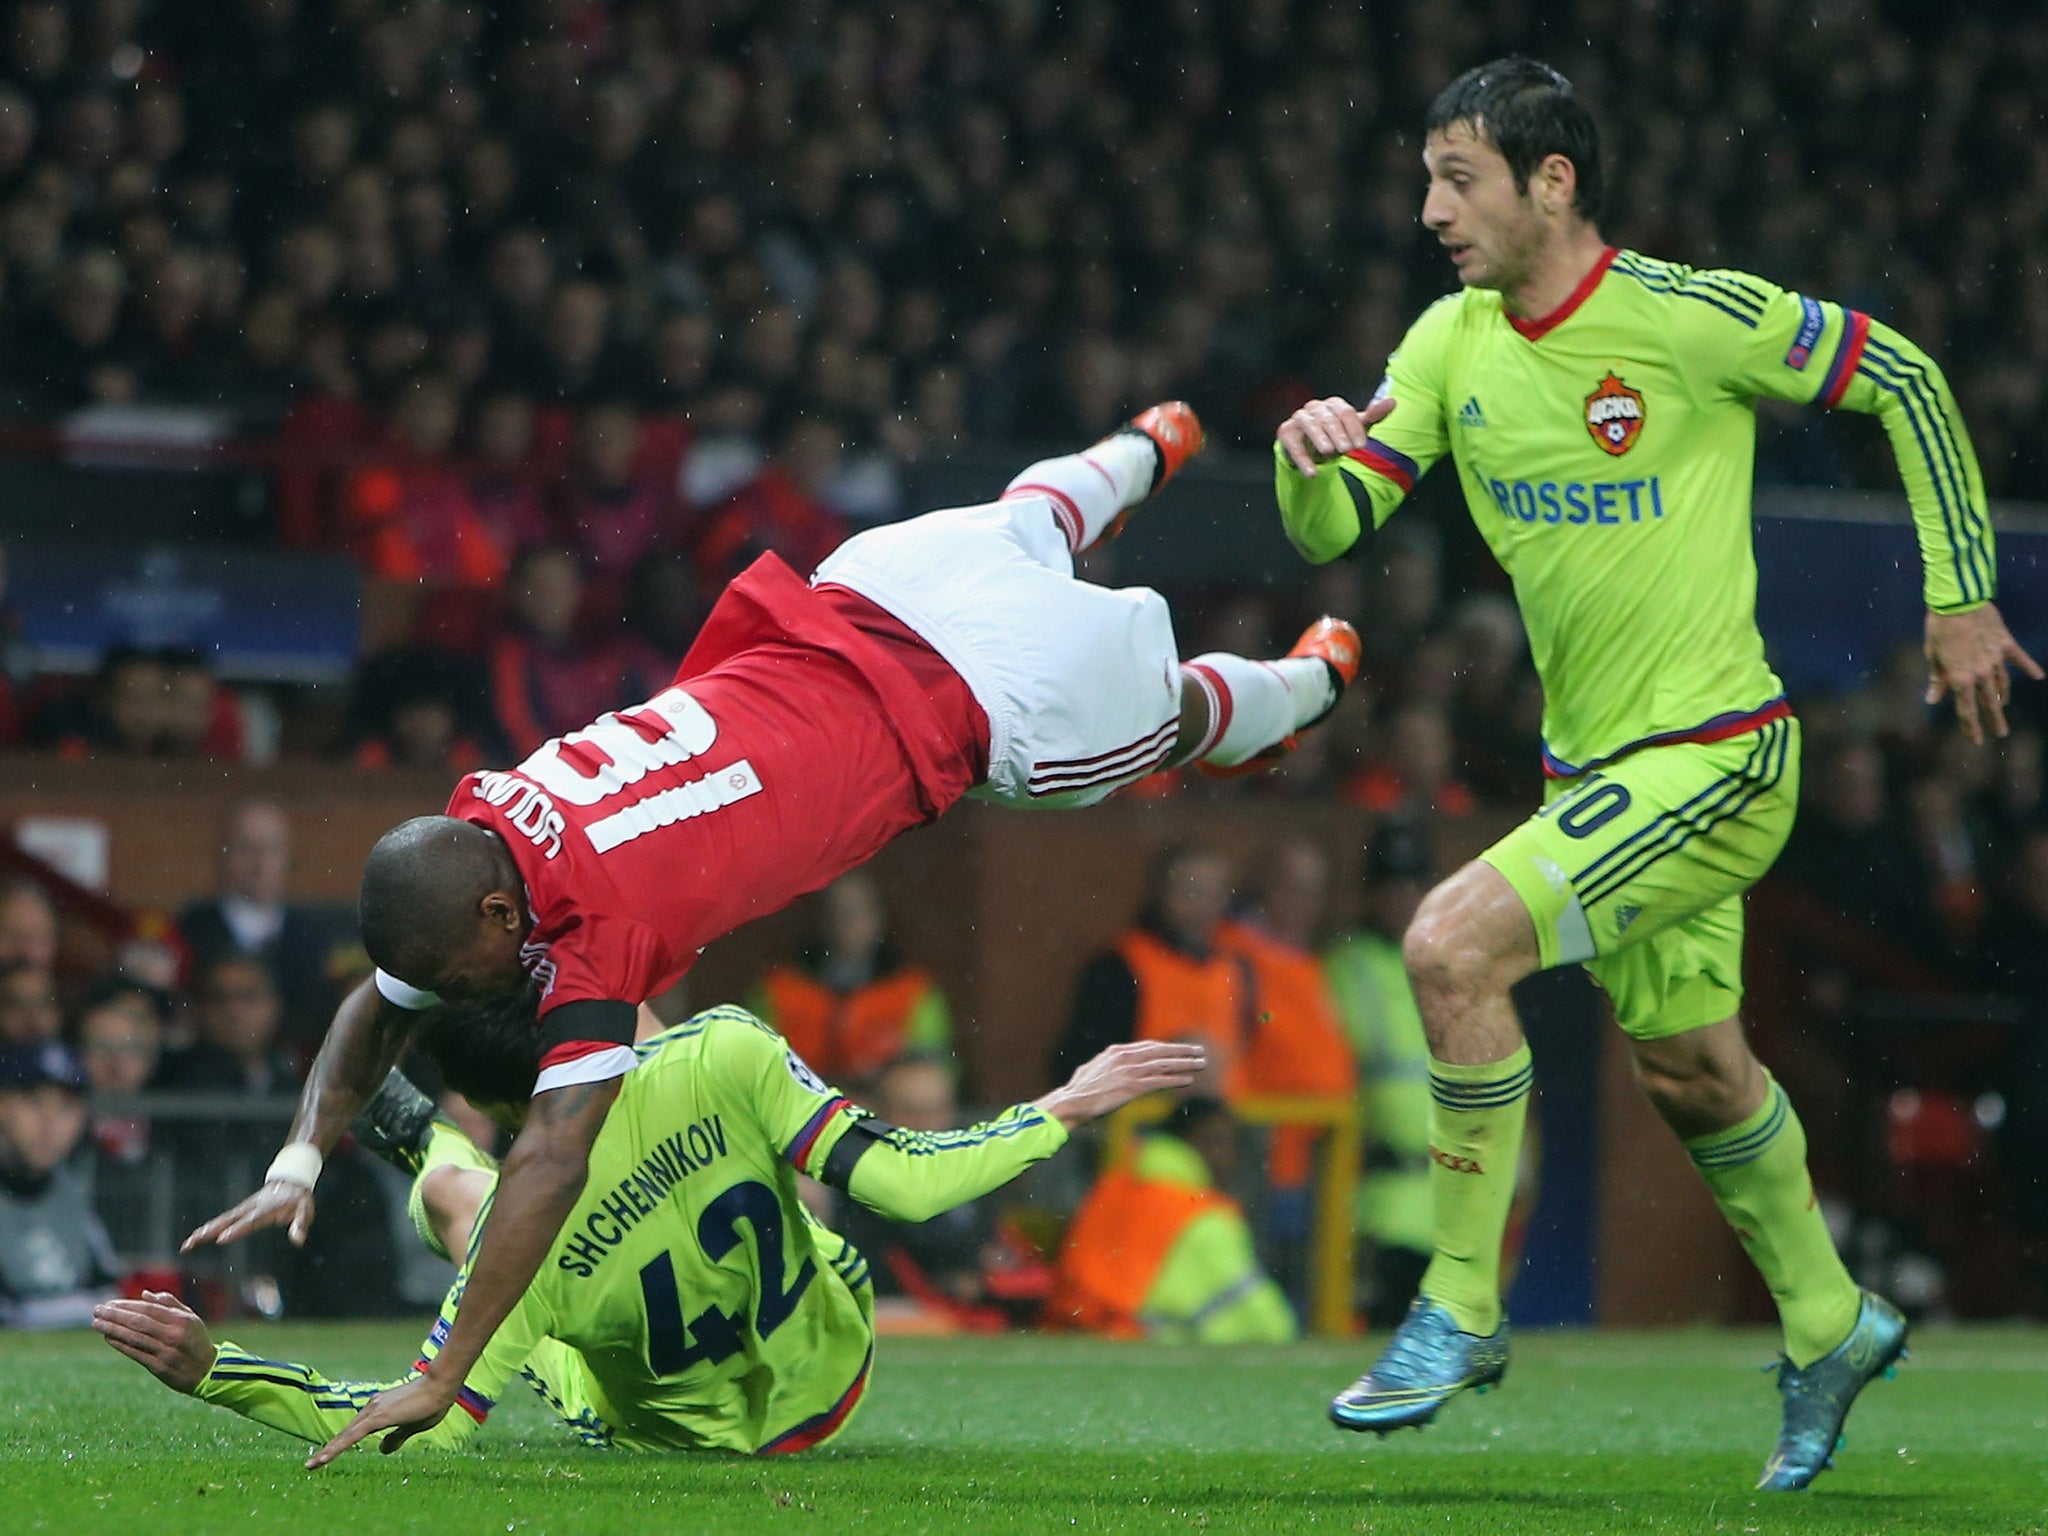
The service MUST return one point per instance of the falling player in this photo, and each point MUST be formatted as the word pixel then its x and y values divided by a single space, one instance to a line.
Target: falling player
pixel 951 654
pixel 690 1302
pixel 1600 407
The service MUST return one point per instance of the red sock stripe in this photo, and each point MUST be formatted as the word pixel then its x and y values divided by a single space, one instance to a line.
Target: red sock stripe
pixel 1064 512
pixel 1211 683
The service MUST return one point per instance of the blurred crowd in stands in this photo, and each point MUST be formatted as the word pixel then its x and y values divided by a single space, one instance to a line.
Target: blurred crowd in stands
pixel 552 315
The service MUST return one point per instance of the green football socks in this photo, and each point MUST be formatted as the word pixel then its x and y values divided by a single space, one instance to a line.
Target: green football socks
pixel 1475 1143
pixel 1757 1171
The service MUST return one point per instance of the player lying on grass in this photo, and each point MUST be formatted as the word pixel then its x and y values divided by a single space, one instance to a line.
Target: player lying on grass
pixel 951 654
pixel 1600 407
pixel 690 1301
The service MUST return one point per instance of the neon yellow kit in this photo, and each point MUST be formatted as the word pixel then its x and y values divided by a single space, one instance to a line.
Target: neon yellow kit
pixel 691 1302
pixel 1606 453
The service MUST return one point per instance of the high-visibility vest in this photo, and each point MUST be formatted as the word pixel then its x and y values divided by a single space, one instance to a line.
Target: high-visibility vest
pixel 1181 997
pixel 1297 1046
pixel 1115 1247
pixel 845 1035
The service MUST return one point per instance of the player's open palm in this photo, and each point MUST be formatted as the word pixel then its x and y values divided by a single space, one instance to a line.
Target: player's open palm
pixel 403 1411
pixel 161 1334
pixel 1122 1073
pixel 280 1203
pixel 1328 429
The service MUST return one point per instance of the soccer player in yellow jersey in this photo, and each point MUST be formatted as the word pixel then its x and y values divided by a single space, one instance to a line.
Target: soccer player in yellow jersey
pixel 1600 407
pixel 689 1302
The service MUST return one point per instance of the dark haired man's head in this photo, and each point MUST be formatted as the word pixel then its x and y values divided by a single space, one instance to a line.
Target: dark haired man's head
pixel 1514 162
pixel 1187 889
pixel 1208 1127
pixel 443 908
pixel 488 1051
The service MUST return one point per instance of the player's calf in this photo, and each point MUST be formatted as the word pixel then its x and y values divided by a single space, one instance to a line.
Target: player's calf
pixel 1092 493
pixel 1241 717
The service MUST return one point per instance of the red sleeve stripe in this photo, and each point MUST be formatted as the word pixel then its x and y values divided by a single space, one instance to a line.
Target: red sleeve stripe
pixel 807 1138
pixel 823 1426
pixel 594 1061
pixel 472 1402
pixel 1847 355
pixel 1379 458
pixel 574 1050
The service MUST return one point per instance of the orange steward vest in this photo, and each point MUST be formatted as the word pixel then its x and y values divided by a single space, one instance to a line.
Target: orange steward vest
pixel 1298 1046
pixel 1115 1247
pixel 850 1035
pixel 1182 998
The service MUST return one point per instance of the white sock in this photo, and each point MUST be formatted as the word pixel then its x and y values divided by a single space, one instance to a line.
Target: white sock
pixel 1086 490
pixel 1255 704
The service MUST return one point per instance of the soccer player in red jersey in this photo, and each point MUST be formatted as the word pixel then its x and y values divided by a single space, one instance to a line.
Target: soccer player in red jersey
pixel 948 655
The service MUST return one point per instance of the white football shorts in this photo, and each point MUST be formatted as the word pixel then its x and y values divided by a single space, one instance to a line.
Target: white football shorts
pixel 1081 684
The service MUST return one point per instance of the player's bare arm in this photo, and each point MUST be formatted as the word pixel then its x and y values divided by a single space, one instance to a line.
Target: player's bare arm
pixel 362 1044
pixel 1328 429
pixel 1106 1083
pixel 1969 655
pixel 542 1177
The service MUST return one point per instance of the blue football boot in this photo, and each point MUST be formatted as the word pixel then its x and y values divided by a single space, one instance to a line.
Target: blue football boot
pixel 1426 1363
pixel 1818 1397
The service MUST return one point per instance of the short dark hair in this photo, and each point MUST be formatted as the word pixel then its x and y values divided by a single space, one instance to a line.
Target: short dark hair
pixel 1527 111
pixel 488 1051
pixel 421 887
pixel 1191 1114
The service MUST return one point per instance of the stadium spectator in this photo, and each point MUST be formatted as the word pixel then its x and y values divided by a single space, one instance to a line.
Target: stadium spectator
pixel 237 1047
pixel 29 1012
pixel 1165 978
pixel 122 715
pixel 1377 1007
pixel 117 1036
pixel 415 511
pixel 2016 963
pixel 783 508
pixel 1159 1251
pixel 248 916
pixel 850 1003
pixel 1296 1046
pixel 415 707
pixel 28 925
pixel 546 678
pixel 622 496
pixel 1416 772
pixel 56 1263
pixel 1852 849
pixel 198 717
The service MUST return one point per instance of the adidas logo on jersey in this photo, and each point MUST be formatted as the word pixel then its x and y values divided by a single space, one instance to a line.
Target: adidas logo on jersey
pixel 1469 414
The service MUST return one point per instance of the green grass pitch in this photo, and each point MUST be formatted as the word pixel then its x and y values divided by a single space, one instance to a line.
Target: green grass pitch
pixel 1593 1433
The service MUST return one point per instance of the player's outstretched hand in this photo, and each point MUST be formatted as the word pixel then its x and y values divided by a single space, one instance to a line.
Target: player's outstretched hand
pixel 1328 429
pixel 405 1411
pixel 1969 655
pixel 161 1334
pixel 1123 1073
pixel 280 1203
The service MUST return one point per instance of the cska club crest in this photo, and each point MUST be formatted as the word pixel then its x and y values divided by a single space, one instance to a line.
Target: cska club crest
pixel 1614 415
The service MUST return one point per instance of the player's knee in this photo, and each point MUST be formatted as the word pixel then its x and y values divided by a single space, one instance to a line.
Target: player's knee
pixel 1449 965
pixel 453 1198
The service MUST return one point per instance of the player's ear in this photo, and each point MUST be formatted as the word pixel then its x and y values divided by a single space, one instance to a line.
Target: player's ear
pixel 500 911
pixel 1556 184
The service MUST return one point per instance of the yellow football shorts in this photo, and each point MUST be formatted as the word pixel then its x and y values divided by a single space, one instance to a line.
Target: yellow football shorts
pixel 1638 870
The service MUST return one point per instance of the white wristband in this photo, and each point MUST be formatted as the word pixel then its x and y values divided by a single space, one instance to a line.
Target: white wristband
pixel 298 1163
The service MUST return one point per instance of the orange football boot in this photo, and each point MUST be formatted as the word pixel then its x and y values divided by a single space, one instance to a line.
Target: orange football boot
pixel 1175 431
pixel 1335 644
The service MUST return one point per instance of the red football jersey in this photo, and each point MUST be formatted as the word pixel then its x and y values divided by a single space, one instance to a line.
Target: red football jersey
pixel 804 730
